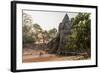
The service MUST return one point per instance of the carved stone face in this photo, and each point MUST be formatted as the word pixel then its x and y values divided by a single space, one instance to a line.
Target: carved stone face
pixel 67 25
pixel 61 26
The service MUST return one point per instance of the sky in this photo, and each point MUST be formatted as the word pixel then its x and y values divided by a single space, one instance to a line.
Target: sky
pixel 47 19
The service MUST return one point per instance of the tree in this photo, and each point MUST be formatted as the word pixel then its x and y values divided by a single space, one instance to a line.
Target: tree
pixel 52 33
pixel 37 27
pixel 79 39
pixel 37 30
pixel 27 29
pixel 45 36
pixel 27 19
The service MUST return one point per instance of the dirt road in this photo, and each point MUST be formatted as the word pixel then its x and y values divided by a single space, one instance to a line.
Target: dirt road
pixel 40 56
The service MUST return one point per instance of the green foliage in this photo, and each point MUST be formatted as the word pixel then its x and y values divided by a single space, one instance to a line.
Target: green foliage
pixel 52 33
pixel 37 27
pixel 27 29
pixel 27 19
pixel 33 32
pixel 28 39
pixel 79 39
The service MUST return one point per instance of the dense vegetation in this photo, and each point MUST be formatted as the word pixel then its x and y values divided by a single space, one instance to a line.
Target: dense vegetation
pixel 32 32
pixel 80 35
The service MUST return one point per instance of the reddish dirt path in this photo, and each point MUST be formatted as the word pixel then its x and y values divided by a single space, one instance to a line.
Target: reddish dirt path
pixel 30 55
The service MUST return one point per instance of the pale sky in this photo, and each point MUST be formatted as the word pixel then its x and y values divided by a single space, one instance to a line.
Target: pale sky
pixel 48 20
